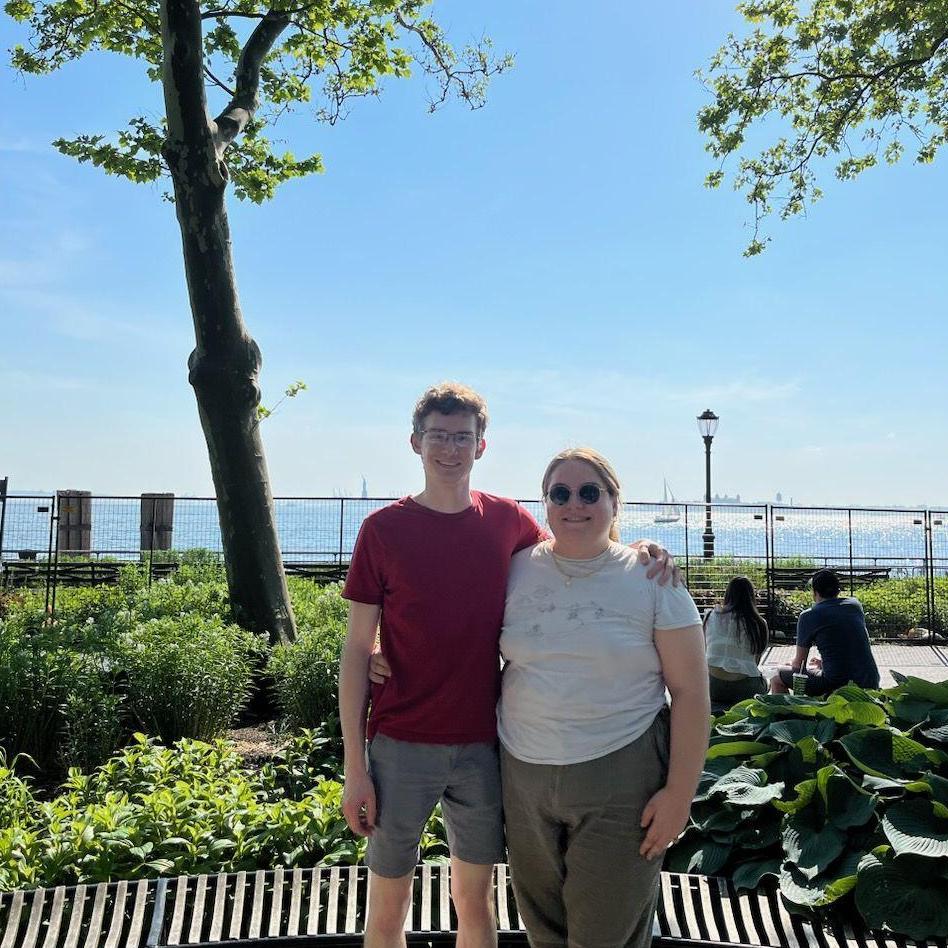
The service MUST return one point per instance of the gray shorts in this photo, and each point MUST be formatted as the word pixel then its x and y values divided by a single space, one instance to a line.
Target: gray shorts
pixel 409 781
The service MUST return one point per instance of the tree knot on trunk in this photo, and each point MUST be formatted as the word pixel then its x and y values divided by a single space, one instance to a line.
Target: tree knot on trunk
pixel 228 377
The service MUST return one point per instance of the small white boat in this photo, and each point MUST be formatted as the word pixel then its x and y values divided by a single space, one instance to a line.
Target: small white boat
pixel 671 513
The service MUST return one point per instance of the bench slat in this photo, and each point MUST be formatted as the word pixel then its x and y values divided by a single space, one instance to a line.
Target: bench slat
pixel 36 917
pixel 138 915
pixel 256 910
pixel 55 918
pixel 332 906
pixel 220 900
pixel 197 911
pixel 158 913
pixel 444 900
pixel 708 902
pixel 731 931
pixel 748 919
pixel 77 910
pixel 118 915
pixel 315 892
pixel 671 917
pixel 690 909
pixel 237 916
pixel 177 915
pixel 503 912
pixel 276 906
pixel 296 898
pixel 425 923
pixel 13 919
pixel 352 903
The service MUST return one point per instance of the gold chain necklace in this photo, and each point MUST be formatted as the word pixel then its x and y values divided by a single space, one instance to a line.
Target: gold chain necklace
pixel 601 561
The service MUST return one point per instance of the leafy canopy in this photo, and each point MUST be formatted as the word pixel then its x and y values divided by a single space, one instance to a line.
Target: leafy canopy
pixel 856 79
pixel 330 53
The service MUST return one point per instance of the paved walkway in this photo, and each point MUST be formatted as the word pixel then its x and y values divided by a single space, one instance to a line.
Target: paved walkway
pixel 922 661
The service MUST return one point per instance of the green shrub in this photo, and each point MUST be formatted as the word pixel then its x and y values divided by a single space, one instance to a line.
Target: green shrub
pixel 56 695
pixel 187 676
pixel 305 673
pixel 843 802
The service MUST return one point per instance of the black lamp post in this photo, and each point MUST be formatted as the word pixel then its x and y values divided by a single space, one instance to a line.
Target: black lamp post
pixel 707 425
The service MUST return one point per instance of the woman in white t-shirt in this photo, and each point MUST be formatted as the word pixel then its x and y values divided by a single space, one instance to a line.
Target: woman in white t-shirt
pixel 598 776
pixel 736 636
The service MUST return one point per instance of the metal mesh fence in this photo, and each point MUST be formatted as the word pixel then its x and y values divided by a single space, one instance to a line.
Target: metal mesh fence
pixel 895 561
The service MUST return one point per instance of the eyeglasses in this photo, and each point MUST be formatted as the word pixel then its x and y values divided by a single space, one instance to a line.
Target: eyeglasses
pixel 440 437
pixel 588 494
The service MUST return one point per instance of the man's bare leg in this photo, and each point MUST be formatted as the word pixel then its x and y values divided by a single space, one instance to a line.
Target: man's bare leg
pixel 389 900
pixel 473 897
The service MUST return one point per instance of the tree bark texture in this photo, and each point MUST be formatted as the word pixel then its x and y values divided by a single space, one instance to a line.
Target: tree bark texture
pixel 224 366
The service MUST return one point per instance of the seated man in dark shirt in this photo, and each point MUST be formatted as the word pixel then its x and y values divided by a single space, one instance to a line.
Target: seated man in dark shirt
pixel 837 626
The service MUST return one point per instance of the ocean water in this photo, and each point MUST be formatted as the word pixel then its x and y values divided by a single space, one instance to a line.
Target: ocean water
pixel 325 529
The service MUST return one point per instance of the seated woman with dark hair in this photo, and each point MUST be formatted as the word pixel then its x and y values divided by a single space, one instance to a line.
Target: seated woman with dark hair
pixel 735 638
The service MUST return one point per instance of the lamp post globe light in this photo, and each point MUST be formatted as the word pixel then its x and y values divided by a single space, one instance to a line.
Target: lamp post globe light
pixel 707 426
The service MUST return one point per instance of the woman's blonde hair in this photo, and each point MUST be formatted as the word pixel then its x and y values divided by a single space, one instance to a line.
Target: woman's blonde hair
pixel 601 466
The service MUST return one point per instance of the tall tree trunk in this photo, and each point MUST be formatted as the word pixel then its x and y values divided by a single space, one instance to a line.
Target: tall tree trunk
pixel 224 366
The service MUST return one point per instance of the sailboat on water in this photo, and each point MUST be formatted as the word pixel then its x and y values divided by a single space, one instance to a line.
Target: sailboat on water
pixel 670 512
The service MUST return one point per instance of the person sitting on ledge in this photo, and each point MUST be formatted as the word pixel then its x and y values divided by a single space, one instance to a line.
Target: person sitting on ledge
pixel 837 626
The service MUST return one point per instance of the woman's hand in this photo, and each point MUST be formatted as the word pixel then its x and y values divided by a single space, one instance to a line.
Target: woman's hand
pixel 660 562
pixel 379 669
pixel 665 816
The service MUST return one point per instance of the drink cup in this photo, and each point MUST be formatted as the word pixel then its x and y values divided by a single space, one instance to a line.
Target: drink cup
pixel 799 683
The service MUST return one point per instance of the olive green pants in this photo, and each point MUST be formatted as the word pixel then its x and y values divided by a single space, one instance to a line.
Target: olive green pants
pixel 573 839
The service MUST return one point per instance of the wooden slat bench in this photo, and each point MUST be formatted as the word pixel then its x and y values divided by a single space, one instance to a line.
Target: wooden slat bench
pixel 797 577
pixel 244 910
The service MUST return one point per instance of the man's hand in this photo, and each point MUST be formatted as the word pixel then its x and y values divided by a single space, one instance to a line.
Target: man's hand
pixel 661 562
pixel 665 816
pixel 358 804
pixel 379 669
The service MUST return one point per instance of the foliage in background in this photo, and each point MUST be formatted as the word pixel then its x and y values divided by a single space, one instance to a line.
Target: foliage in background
pixel 305 673
pixel 192 808
pixel 857 80
pixel 163 658
pixel 843 801
pixel 187 675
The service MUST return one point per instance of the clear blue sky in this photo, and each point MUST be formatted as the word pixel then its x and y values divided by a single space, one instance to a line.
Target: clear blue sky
pixel 557 250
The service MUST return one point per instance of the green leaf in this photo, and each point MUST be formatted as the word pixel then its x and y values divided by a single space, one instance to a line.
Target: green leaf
pixel 790 731
pixel 847 805
pixel 913 826
pixel 821 890
pixel 697 854
pixel 745 786
pixel 900 895
pixel 885 753
pixel 810 846
pixel 748 875
pixel 737 749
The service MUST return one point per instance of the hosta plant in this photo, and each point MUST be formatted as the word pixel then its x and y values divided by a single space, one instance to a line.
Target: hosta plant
pixel 841 802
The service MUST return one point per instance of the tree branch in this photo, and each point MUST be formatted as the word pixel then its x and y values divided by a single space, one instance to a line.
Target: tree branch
pixel 232 121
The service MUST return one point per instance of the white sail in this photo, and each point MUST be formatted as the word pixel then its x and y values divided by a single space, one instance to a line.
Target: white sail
pixel 670 513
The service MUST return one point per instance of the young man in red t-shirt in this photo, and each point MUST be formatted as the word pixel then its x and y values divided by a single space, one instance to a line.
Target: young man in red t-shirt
pixel 430 571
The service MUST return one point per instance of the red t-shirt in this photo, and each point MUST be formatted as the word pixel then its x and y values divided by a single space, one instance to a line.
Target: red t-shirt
pixel 441 580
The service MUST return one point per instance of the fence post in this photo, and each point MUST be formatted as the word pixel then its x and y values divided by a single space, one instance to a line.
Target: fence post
pixel 687 568
pixel 342 520
pixel 3 513
pixel 50 571
pixel 768 569
pixel 849 521
pixel 929 577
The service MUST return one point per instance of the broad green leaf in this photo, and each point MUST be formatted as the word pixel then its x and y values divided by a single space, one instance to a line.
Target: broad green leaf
pixel 813 893
pixel 932 784
pixel 745 786
pixel 913 826
pixel 912 710
pixel 885 753
pixel 805 792
pixel 934 691
pixel 811 847
pixel 748 875
pixel 846 804
pixel 789 731
pixel 897 894
pixel 737 749
pixel 741 728
pixel 695 853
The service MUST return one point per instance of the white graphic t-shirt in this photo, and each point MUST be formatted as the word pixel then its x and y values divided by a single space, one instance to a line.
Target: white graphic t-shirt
pixel 582 677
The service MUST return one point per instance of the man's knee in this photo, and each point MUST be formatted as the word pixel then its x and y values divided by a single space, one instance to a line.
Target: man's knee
pixel 389 902
pixel 472 890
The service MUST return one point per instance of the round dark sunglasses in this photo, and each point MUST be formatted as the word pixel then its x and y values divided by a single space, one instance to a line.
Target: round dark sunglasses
pixel 588 494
